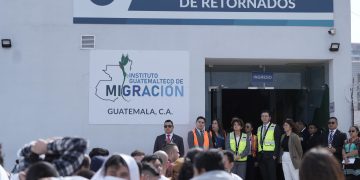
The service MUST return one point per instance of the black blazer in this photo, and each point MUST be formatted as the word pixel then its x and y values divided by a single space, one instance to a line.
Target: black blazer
pixel 337 143
pixel 160 142
pixel 305 137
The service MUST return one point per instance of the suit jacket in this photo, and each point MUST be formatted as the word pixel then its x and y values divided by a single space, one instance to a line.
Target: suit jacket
pixel 304 136
pixel 337 143
pixel 160 142
pixel 313 141
pixel 295 149
pixel 200 139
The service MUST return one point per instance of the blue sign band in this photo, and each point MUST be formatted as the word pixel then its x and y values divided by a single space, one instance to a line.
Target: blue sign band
pixel 240 22
pixel 234 5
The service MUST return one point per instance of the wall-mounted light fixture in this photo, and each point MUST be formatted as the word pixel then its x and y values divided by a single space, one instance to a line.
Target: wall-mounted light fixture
pixel 6 43
pixel 334 47
pixel 332 31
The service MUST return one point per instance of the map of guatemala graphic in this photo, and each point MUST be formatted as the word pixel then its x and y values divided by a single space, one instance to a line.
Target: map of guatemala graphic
pixel 113 71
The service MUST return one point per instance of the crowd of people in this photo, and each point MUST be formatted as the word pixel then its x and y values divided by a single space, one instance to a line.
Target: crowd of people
pixel 303 151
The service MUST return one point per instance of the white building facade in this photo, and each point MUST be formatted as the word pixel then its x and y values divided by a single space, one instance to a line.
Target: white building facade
pixel 49 80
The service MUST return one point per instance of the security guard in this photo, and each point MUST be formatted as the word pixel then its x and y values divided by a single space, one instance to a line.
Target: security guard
pixel 268 146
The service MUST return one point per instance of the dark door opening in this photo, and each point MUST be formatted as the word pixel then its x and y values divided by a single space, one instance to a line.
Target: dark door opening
pixel 282 103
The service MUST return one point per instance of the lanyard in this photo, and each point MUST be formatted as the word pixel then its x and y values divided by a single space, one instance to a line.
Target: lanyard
pixel 237 143
pixel 263 137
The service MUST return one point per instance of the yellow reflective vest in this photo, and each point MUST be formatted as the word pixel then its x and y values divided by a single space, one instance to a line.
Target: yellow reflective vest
pixel 269 140
pixel 242 145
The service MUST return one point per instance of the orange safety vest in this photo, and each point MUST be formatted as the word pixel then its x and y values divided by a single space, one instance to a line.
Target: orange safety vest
pixel 206 140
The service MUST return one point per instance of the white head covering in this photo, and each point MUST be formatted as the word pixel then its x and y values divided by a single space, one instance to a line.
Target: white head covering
pixel 131 164
pixel 3 174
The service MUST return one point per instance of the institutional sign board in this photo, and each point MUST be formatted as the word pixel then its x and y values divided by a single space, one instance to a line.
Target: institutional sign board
pixel 138 87
pixel 206 12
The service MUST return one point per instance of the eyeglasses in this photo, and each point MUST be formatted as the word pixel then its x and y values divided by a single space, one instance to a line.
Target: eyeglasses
pixel 201 122
pixel 168 126
pixel 351 131
pixel 332 122
pixel 247 126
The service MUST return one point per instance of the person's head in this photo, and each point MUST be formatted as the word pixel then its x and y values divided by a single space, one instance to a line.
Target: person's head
pixel 228 160
pixel 88 174
pixel 164 158
pixel 178 164
pixel 290 126
pixel 97 162
pixel 237 124
pixel 249 128
pixel 98 152
pixel 354 131
pixel 265 116
pixel 312 128
pixel 172 151
pixel 116 166
pixel 149 172
pixel 216 126
pixel 154 160
pixel 41 169
pixel 319 163
pixel 200 122
pixel 332 123
pixel 300 124
pixel 208 161
pixel 137 155
pixel 190 155
pixel 168 126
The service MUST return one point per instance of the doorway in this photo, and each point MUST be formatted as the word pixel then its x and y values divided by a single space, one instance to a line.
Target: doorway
pixel 298 92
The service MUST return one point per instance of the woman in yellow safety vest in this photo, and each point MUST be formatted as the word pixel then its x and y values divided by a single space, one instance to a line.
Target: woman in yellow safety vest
pixel 238 143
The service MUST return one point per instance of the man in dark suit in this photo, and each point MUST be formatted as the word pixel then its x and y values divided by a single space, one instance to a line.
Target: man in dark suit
pixel 334 139
pixel 198 137
pixel 304 134
pixel 169 137
pixel 268 146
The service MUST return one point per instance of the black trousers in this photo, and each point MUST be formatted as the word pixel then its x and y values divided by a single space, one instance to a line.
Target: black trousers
pixel 250 168
pixel 267 165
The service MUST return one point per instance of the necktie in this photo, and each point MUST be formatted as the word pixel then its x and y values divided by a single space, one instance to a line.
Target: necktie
pixel 168 138
pixel 331 137
pixel 202 133
pixel 264 130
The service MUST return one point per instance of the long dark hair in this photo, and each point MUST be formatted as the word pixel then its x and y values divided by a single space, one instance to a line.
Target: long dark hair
pixel 221 130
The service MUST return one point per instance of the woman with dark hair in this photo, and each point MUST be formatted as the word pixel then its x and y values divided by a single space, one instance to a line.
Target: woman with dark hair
pixel 290 151
pixel 187 169
pixel 350 154
pixel 238 143
pixel 319 163
pixel 217 134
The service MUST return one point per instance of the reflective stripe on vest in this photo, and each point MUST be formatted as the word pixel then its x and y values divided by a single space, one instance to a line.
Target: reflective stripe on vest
pixel 242 145
pixel 269 140
pixel 206 140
